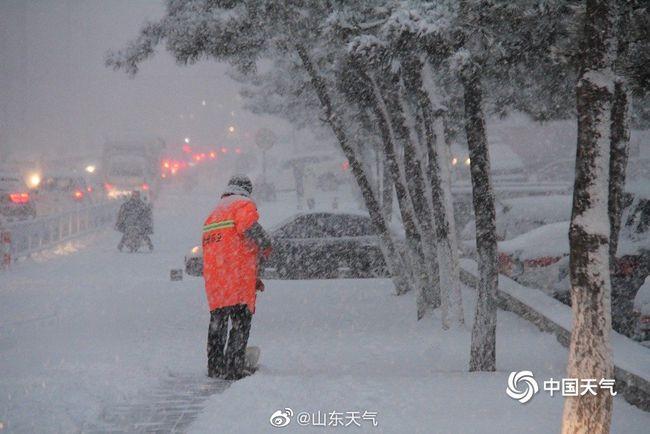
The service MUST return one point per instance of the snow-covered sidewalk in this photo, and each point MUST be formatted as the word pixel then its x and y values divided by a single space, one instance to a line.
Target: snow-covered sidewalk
pixel 351 346
pixel 84 329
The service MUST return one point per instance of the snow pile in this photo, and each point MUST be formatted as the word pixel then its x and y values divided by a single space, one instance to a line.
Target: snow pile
pixel 547 241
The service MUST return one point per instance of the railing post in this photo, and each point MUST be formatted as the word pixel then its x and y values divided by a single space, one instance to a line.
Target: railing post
pixel 5 240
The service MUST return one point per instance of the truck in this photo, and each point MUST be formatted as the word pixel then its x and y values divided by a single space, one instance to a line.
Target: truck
pixel 132 164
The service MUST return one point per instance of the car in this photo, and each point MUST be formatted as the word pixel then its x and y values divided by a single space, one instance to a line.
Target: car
pixel 16 202
pixel 540 259
pixel 194 262
pixel 519 215
pixel 317 245
pixel 61 191
pixel 325 245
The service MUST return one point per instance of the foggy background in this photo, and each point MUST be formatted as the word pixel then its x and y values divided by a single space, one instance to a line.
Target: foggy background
pixel 57 99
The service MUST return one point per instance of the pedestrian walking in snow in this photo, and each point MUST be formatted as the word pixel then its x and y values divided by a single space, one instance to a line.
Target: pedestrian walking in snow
pixel 233 244
pixel 135 222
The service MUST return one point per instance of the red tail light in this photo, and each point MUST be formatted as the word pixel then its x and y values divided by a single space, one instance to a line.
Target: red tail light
pixel 90 189
pixel 108 186
pixel 19 197
pixel 145 186
pixel 78 194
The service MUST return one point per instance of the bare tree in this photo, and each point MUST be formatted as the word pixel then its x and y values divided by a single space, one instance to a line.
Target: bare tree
pixel 483 347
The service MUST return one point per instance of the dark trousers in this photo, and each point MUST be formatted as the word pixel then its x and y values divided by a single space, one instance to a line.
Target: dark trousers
pixel 226 354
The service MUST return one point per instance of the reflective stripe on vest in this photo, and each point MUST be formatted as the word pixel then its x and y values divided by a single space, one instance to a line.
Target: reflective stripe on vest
pixel 219 225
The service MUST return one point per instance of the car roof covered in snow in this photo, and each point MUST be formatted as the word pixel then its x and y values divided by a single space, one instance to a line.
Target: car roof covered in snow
pixel 295 216
pixel 550 240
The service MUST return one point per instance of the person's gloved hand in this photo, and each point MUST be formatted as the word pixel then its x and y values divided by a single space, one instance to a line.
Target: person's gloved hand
pixel 259 285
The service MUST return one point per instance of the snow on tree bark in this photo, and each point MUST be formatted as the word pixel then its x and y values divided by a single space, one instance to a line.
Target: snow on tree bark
pixel 590 354
pixel 483 346
pixel 429 296
pixel 413 235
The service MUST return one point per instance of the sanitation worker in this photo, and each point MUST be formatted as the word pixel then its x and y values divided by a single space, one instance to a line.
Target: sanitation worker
pixel 234 243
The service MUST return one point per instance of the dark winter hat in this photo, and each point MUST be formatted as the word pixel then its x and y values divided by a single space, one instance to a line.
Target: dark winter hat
pixel 239 184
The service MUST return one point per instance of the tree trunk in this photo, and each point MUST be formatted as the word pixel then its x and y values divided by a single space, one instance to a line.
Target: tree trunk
pixel 590 354
pixel 449 275
pixel 386 192
pixel 483 347
pixel 444 156
pixel 391 255
pixel 429 297
pixel 413 238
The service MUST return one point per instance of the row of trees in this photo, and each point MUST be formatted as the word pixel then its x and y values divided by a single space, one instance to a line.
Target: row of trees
pixel 397 81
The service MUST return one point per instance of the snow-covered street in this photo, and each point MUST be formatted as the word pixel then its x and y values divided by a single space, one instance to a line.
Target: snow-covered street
pixel 79 337
pixel 379 216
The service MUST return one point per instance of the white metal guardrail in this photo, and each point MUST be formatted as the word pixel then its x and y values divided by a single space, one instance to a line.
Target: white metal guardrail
pixel 23 238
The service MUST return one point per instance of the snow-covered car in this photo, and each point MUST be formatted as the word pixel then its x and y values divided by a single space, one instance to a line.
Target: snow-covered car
pixel 537 258
pixel 321 244
pixel 318 245
pixel 517 216
pixel 540 259
pixel 15 200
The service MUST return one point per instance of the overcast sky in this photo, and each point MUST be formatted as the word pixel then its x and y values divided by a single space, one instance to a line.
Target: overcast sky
pixel 57 97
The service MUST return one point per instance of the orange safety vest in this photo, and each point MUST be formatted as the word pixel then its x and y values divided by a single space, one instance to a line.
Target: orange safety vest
pixel 230 259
